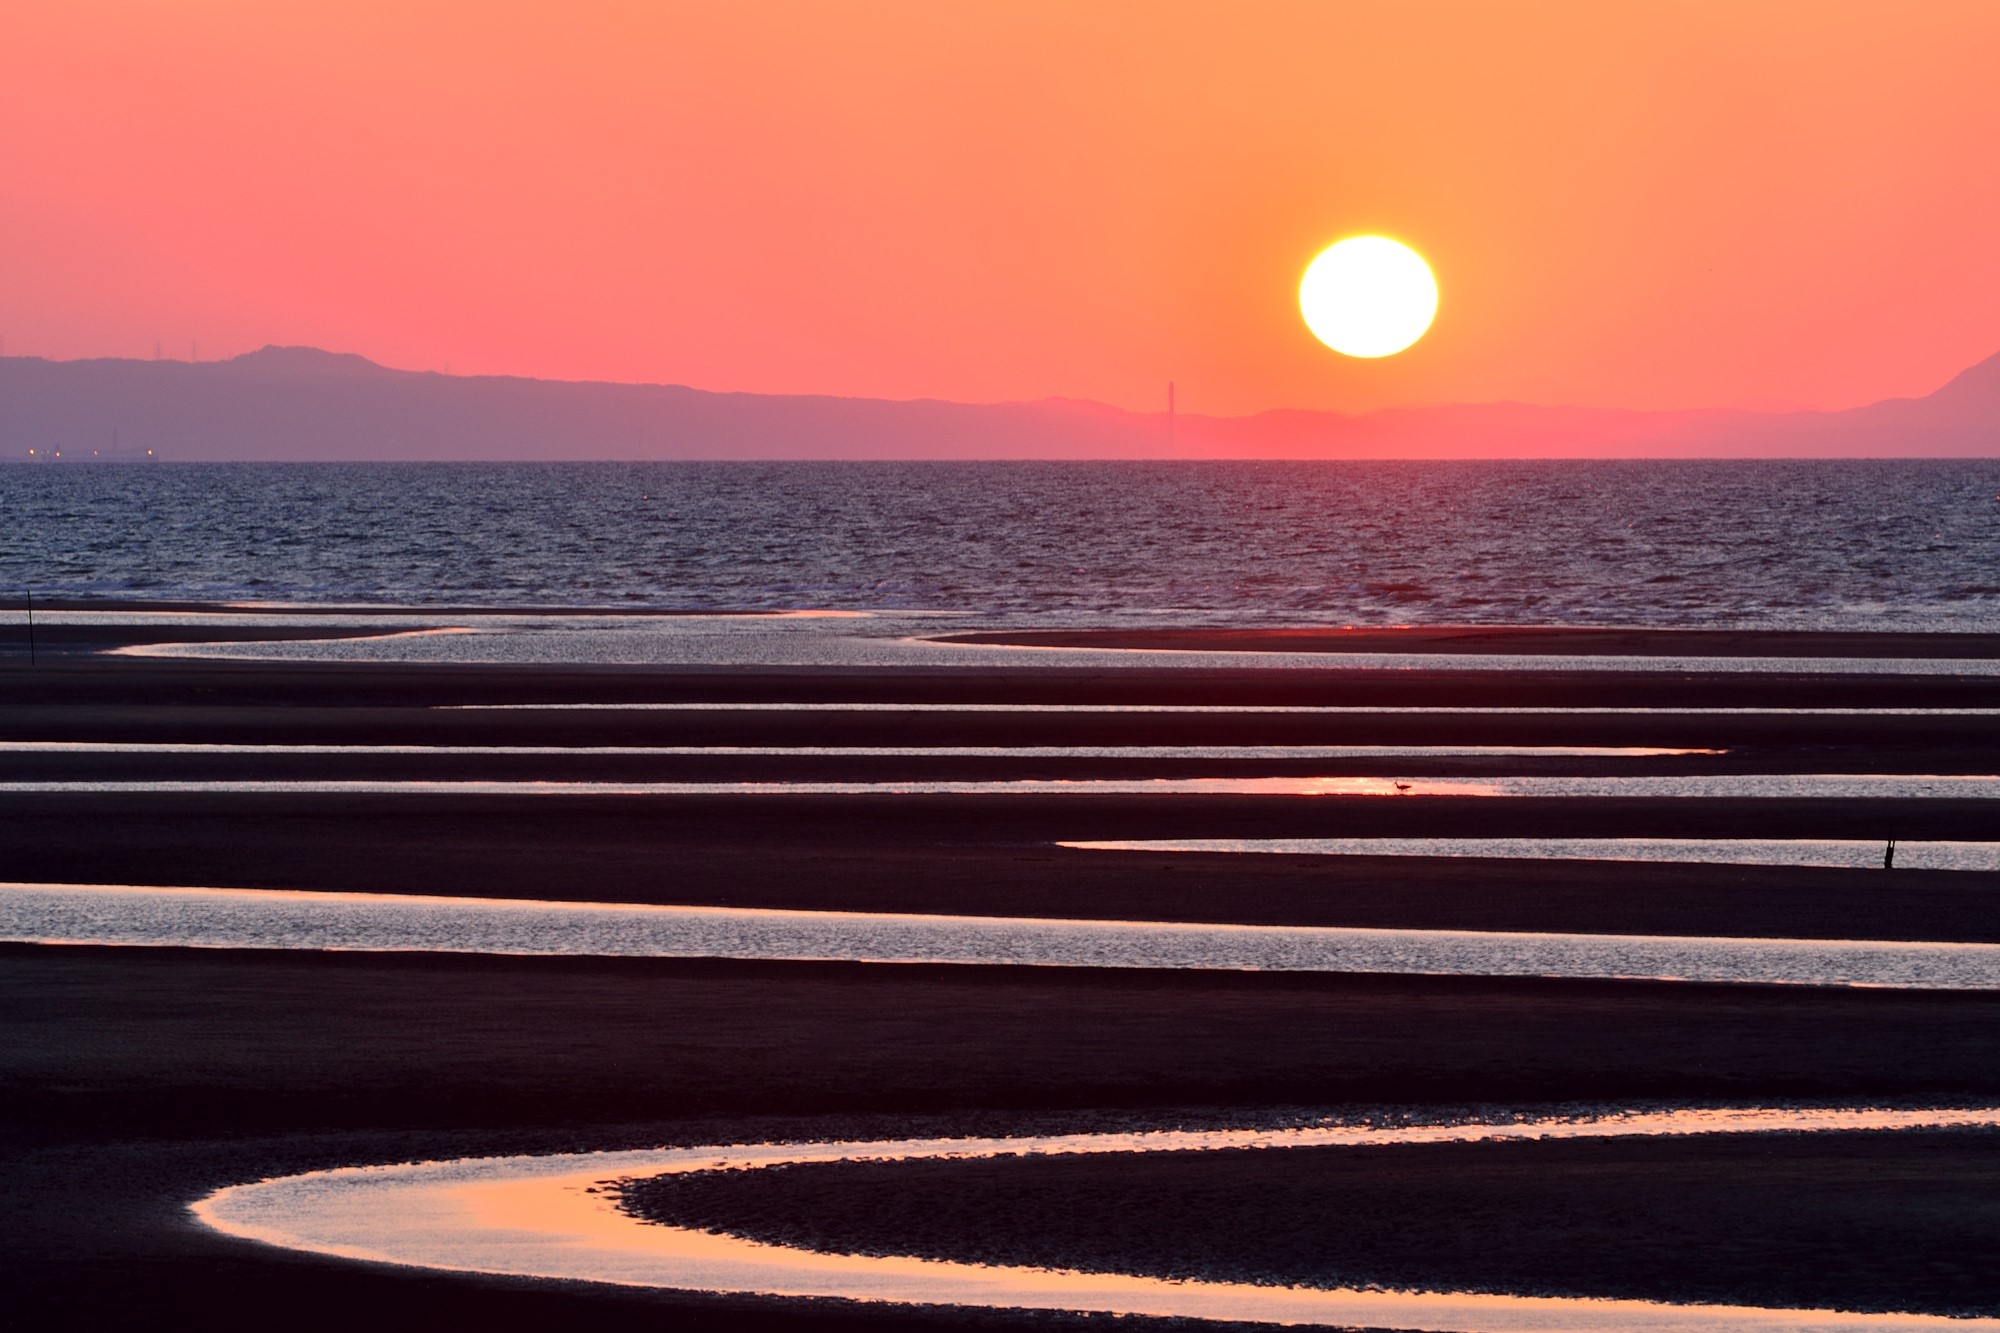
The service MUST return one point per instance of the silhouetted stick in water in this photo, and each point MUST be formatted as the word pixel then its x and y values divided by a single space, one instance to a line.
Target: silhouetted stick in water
pixel 1889 856
pixel 31 625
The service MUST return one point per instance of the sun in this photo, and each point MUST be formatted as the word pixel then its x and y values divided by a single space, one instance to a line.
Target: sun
pixel 1368 296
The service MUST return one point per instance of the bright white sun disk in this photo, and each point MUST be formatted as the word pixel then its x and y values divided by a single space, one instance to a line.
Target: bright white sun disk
pixel 1368 296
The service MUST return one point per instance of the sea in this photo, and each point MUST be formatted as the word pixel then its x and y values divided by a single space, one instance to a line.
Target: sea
pixel 1850 544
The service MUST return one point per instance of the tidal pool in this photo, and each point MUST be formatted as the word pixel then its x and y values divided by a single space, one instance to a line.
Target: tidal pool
pixel 1856 853
pixel 558 1217
pixel 1706 786
pixel 881 751
pixel 1447 710
pixel 138 915
pixel 901 639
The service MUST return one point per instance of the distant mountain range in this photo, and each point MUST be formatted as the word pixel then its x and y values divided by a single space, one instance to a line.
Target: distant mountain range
pixel 299 403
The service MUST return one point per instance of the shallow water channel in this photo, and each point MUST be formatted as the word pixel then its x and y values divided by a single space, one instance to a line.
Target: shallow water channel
pixel 559 1217
pixel 291 919
pixel 1854 853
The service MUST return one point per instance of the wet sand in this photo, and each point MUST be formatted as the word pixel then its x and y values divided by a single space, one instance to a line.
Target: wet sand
pixel 100 1238
pixel 132 1039
pixel 132 1081
pixel 997 857
pixel 1610 641
pixel 1869 1221
pixel 136 1079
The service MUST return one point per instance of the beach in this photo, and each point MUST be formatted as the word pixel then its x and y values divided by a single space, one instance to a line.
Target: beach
pixel 138 1079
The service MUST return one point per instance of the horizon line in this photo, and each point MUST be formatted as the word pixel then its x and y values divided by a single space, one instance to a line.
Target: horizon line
pixel 1048 400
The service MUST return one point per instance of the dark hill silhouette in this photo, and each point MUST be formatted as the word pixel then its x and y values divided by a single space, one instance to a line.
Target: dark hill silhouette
pixel 300 403
pixel 304 363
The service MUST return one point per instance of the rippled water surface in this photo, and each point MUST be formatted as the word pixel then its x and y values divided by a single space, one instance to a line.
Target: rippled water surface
pixel 1707 786
pixel 1856 853
pixel 285 919
pixel 1848 544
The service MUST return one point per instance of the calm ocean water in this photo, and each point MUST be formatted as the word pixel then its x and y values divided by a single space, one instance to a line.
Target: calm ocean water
pixel 1849 544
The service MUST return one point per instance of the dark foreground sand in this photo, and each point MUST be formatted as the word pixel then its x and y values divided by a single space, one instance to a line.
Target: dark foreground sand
pixel 133 1081
pixel 1508 639
pixel 1849 1221
pixel 987 856
pixel 137 1080
pixel 135 1041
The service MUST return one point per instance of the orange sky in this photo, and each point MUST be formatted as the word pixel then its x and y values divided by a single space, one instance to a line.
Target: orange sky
pixel 1674 204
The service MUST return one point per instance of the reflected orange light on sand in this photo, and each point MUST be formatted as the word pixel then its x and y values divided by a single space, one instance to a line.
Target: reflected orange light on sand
pixel 559 1217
